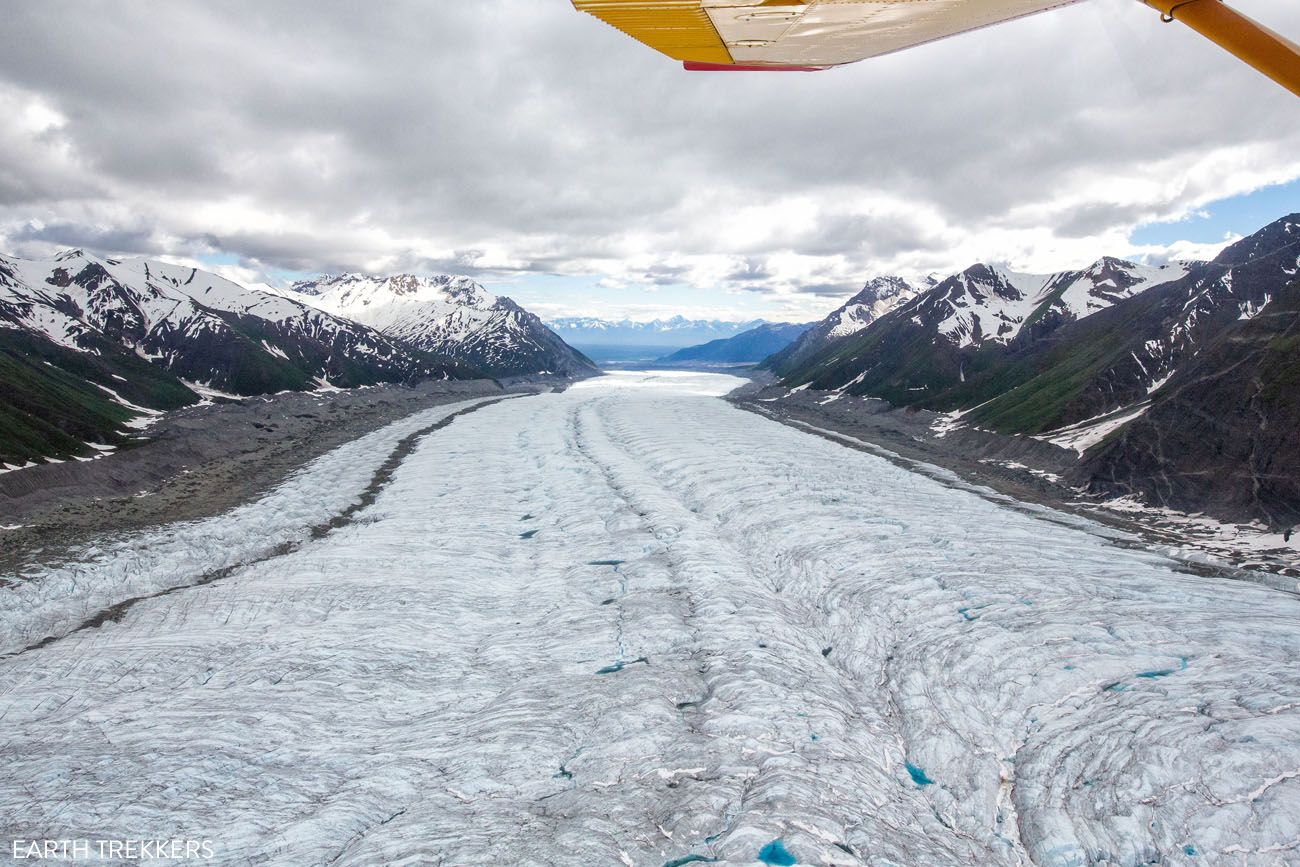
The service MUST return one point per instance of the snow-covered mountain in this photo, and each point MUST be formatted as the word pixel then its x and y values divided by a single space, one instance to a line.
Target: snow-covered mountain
pixel 89 343
pixel 452 316
pixel 677 331
pixel 1222 434
pixel 1217 430
pixel 929 343
pixel 1176 383
pixel 201 327
pixel 878 297
pixel 990 303
pixel 983 304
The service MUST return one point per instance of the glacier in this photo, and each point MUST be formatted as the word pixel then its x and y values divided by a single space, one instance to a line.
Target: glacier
pixel 631 624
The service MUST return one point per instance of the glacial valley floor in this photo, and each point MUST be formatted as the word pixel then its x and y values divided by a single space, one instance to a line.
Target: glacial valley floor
pixel 632 624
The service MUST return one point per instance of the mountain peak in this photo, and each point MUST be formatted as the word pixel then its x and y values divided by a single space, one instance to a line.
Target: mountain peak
pixel 452 315
pixel 1111 263
pixel 352 289
pixel 986 274
pixel 983 280
pixel 878 297
pixel 1277 235
pixel 881 289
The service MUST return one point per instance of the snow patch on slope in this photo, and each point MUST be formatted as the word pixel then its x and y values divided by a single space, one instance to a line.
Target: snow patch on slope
pixel 1085 434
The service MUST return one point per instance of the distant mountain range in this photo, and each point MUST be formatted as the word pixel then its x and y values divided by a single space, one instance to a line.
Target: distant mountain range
pixel 1177 383
pixel 92 347
pixel 450 316
pixel 749 346
pixel 675 332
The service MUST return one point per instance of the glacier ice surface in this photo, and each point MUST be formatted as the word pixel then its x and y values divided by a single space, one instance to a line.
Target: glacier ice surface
pixel 632 624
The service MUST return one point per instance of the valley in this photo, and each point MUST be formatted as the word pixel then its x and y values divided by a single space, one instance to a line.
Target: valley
pixel 715 637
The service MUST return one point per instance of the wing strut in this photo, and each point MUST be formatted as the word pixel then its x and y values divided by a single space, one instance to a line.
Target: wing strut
pixel 1248 40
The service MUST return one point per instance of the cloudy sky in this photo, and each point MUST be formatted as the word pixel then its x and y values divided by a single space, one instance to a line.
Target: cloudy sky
pixel 557 161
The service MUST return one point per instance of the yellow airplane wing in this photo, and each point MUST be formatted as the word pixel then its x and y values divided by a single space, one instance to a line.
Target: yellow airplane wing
pixel 817 34
pixel 798 34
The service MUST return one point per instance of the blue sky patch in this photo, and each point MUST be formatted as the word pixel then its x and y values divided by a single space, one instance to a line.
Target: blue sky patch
pixel 1237 215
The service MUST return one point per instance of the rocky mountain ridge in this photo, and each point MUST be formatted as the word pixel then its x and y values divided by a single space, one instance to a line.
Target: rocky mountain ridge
pixel 875 299
pixel 449 315
pixel 1168 382
pixel 92 348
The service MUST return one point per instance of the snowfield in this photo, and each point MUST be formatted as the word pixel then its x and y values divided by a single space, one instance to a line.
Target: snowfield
pixel 630 624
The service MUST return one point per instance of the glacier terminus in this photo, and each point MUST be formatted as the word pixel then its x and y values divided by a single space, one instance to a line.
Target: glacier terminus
pixel 629 623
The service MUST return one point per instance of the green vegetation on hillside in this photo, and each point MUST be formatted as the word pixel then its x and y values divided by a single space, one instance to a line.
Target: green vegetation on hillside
pixel 50 405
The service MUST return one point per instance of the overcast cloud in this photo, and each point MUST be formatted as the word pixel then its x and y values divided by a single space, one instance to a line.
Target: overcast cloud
pixel 508 137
